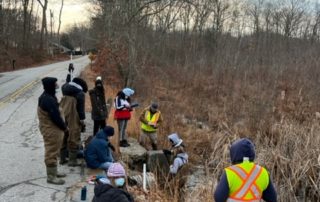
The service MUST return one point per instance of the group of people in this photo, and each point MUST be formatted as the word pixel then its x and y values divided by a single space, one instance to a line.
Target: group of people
pixel 61 125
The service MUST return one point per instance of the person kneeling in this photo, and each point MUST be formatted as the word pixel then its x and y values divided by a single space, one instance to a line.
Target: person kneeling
pixel 97 153
pixel 177 151
pixel 112 188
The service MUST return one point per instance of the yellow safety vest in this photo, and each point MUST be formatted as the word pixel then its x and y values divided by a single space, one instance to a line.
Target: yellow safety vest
pixel 246 182
pixel 153 119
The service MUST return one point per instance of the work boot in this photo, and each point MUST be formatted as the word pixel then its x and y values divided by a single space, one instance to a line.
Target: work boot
pixel 123 143
pixel 60 175
pixel 52 176
pixel 154 146
pixel 126 143
pixel 63 156
pixel 73 159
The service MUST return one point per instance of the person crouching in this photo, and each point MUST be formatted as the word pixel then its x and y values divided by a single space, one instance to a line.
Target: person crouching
pixel 177 151
pixel 112 188
pixel 98 153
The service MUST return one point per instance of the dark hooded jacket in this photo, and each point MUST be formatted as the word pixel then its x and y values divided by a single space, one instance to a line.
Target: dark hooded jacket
pixel 239 149
pixel 48 102
pixel 107 193
pixel 97 151
pixel 72 89
pixel 98 102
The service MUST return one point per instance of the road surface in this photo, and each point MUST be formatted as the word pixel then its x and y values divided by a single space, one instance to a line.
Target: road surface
pixel 22 168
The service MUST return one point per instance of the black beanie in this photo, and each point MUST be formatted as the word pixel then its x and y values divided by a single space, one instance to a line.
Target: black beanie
pixel 108 130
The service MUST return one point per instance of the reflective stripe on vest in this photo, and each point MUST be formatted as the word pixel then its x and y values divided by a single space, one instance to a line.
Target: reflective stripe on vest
pixel 248 184
pixel 154 119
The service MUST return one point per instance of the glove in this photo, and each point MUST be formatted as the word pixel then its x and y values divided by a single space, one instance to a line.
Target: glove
pixel 83 126
pixel 167 152
pixel 111 147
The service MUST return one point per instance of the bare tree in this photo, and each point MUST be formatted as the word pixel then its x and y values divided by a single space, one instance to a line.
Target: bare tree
pixel 25 21
pixel 44 30
pixel 292 14
pixel 59 26
pixel 255 11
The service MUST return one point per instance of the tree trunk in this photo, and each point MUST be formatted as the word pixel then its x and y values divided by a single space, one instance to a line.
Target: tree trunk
pixel 44 30
pixel 62 1
pixel 25 21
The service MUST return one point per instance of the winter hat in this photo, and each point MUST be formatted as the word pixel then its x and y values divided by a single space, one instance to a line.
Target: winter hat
pixel 108 130
pixel 116 170
pixel 128 91
pixel 98 78
pixel 154 106
pixel 175 139
pixel 49 84
pixel 240 149
pixel 82 83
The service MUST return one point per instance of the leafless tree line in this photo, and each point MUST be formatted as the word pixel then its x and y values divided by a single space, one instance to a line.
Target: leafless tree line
pixel 203 28
pixel 23 30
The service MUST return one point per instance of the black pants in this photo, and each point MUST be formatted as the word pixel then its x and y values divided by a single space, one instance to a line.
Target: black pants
pixel 97 125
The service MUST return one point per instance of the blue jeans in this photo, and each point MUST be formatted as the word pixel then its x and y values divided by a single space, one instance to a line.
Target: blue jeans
pixel 105 165
pixel 122 127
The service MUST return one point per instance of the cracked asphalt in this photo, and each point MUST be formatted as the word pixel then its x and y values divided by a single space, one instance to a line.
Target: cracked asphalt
pixel 22 168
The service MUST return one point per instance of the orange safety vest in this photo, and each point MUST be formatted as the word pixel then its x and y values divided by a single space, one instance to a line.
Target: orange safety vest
pixel 154 119
pixel 249 185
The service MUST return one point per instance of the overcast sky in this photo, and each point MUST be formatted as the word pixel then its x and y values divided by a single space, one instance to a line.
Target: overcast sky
pixel 74 11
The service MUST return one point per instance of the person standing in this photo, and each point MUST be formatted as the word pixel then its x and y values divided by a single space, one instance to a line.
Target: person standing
pixel 150 119
pixel 99 111
pixel 52 127
pixel 73 105
pixel 123 113
pixel 244 180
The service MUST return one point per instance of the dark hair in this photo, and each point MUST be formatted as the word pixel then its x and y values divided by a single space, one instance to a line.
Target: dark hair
pixel 121 95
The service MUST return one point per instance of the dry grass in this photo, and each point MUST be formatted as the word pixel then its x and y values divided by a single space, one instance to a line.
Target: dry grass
pixel 272 100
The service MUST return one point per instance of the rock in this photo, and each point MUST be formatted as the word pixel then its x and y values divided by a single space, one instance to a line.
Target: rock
pixel 140 198
pixel 135 155
pixel 137 180
pixel 157 162
pixel 197 186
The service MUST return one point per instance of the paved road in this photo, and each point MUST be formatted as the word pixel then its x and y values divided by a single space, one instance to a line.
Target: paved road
pixel 22 169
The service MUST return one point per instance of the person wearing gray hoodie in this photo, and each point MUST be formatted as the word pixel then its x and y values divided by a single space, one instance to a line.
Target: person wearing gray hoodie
pixel 177 153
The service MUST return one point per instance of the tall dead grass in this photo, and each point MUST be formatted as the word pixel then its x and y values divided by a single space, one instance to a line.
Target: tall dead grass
pixel 268 92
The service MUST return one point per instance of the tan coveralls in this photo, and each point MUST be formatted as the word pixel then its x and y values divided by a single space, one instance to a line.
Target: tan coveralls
pixel 52 137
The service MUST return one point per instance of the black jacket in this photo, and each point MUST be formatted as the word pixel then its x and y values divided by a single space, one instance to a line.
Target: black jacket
pixel 98 103
pixel 107 193
pixel 49 102
pixel 68 89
